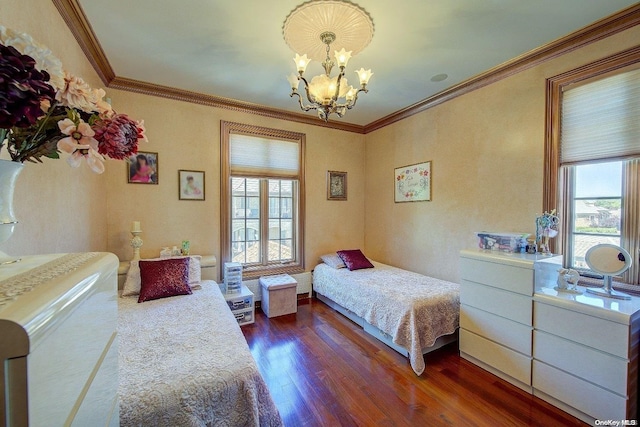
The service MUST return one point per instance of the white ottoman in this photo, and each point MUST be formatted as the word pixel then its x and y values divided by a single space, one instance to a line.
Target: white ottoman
pixel 279 295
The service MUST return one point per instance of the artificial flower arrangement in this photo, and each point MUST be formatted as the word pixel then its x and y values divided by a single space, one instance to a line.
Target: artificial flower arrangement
pixel 45 110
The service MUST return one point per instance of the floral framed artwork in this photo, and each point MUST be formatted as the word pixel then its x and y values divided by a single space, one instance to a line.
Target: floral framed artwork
pixel 413 183
pixel 142 168
pixel 191 185
pixel 336 185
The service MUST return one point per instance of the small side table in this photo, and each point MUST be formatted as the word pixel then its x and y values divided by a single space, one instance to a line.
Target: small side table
pixel 242 305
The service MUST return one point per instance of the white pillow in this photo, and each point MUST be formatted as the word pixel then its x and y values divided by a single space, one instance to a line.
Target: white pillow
pixel 333 260
pixel 133 283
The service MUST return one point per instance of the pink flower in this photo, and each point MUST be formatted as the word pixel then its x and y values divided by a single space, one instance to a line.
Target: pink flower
pixel 118 136
pixel 80 144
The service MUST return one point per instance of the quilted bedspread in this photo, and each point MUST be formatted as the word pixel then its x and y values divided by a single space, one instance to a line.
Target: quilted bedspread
pixel 184 362
pixel 413 309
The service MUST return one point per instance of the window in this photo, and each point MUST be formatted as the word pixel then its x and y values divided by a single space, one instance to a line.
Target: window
pixel 592 158
pixel 595 208
pixel 262 199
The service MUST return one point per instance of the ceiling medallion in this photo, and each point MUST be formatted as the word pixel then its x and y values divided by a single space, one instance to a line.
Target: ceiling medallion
pixel 314 28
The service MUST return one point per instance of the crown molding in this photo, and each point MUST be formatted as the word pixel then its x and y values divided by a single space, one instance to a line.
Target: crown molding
pixel 138 86
pixel 599 30
pixel 76 20
pixel 74 16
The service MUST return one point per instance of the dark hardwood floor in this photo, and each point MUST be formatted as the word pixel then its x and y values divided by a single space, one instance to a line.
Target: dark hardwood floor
pixel 323 370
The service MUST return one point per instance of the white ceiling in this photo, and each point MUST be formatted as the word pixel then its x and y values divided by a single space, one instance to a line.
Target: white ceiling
pixel 235 48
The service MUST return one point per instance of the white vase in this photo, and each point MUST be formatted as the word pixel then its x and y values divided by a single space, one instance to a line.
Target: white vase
pixel 9 172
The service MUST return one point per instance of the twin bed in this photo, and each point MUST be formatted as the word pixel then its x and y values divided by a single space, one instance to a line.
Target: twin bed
pixel 412 313
pixel 184 362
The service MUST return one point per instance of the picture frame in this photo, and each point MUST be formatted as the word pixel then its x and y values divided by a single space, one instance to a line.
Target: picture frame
pixel 413 183
pixel 191 185
pixel 142 168
pixel 336 185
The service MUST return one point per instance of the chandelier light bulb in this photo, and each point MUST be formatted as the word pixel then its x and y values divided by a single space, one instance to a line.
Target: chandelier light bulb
pixel 342 57
pixel 301 62
pixel 351 94
pixel 294 81
pixel 364 76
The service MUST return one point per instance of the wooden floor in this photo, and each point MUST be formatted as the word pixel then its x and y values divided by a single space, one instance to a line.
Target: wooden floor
pixel 323 370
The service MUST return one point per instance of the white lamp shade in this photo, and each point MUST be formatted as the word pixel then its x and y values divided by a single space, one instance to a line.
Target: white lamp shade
pixel 294 81
pixel 364 75
pixel 301 62
pixel 323 88
pixel 351 94
pixel 342 57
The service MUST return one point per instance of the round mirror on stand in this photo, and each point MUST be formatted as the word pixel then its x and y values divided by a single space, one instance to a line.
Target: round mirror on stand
pixel 608 260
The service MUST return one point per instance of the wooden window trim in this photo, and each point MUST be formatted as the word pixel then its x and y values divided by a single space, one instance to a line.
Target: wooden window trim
pixel 554 87
pixel 226 129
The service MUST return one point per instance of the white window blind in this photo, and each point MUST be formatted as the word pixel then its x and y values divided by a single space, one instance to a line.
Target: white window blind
pixel 601 119
pixel 268 157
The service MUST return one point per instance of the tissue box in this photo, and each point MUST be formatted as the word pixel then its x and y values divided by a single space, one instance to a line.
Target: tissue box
pixel 504 242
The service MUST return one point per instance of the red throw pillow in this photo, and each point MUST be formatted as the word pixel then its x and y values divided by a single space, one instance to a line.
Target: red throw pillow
pixel 354 259
pixel 165 278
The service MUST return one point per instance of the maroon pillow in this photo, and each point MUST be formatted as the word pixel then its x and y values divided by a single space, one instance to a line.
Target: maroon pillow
pixel 354 259
pixel 164 278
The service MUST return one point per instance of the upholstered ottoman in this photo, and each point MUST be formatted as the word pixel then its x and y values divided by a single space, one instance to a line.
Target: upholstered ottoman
pixel 279 295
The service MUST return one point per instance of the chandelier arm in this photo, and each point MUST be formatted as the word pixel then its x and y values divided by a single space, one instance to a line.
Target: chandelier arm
pixel 306 89
pixel 302 106
pixel 355 98
pixel 337 94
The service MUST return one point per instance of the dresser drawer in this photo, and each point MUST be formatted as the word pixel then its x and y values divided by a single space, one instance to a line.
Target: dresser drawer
pixel 514 279
pixel 501 358
pixel 582 395
pixel 510 305
pixel 592 365
pixel 591 331
pixel 498 329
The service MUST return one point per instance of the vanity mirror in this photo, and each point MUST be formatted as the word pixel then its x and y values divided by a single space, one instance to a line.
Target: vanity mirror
pixel 608 260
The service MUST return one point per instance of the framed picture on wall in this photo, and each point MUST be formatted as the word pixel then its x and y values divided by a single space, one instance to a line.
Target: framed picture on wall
pixel 336 185
pixel 142 168
pixel 191 185
pixel 413 183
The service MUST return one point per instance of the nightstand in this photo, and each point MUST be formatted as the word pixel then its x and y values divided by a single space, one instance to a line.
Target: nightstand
pixel 242 305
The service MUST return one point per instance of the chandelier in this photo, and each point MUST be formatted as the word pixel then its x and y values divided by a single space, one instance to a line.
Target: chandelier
pixel 314 27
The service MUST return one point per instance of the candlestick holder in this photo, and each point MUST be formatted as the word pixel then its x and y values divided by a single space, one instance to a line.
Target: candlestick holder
pixel 136 243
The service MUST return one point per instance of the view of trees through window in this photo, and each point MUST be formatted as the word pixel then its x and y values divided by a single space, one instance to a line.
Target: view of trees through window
pixel 597 208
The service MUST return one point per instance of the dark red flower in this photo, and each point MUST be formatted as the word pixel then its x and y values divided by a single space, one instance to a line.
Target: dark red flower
pixel 118 136
pixel 22 89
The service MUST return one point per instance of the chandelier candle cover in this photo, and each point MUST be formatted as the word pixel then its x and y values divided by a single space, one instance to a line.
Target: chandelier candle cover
pixel 331 22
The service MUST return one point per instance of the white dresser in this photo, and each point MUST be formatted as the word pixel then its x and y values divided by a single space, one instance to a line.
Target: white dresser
pixel 496 313
pixel 58 347
pixel 585 350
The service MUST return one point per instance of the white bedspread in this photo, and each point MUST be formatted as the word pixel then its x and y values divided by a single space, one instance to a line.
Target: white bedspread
pixel 184 362
pixel 413 309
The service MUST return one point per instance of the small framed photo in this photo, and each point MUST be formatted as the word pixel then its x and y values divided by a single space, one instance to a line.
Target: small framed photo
pixel 142 168
pixel 336 185
pixel 191 185
pixel 413 183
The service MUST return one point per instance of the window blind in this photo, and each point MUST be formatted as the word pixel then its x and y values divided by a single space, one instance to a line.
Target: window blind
pixel 601 119
pixel 269 157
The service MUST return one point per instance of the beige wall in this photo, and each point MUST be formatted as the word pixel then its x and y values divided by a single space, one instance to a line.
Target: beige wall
pixel 487 152
pixel 187 136
pixel 60 209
